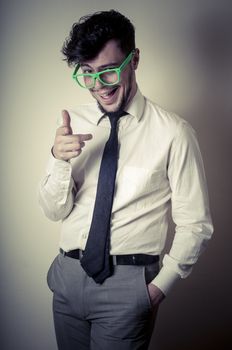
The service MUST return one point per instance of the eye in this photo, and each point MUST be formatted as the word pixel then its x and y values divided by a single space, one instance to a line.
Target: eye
pixel 87 71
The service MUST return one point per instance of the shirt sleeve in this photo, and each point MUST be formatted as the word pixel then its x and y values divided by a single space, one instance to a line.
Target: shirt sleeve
pixel 190 209
pixel 56 191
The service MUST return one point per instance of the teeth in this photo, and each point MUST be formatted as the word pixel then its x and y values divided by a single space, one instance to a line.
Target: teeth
pixel 106 94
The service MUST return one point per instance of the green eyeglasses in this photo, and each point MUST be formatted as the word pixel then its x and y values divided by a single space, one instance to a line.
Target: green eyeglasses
pixel 107 77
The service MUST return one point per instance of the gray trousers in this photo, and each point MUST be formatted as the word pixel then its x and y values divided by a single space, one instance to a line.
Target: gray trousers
pixel 116 315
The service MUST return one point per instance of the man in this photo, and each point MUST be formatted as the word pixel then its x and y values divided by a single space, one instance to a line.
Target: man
pixel 116 167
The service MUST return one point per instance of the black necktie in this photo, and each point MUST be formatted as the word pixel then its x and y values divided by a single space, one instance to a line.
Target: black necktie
pixel 96 260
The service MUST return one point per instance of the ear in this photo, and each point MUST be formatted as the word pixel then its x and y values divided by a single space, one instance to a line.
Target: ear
pixel 135 59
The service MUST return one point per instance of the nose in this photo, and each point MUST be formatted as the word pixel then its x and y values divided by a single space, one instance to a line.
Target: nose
pixel 98 84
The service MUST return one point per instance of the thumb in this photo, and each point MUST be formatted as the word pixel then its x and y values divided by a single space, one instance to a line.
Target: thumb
pixel 66 120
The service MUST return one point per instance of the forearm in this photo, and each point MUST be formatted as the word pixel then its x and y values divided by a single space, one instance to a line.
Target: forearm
pixel 57 190
pixel 189 242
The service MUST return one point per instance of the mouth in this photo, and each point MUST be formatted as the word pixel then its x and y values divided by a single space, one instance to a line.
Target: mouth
pixel 109 95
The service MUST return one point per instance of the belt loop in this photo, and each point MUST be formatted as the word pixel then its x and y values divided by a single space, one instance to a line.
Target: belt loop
pixel 114 258
pixel 62 251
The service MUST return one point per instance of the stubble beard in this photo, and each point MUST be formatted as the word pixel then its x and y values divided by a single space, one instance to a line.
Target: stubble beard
pixel 123 103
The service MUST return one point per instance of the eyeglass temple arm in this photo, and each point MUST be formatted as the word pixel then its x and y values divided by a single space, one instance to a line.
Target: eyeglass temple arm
pixel 75 71
pixel 127 60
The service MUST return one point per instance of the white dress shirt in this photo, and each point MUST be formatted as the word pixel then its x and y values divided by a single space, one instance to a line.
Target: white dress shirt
pixel 159 166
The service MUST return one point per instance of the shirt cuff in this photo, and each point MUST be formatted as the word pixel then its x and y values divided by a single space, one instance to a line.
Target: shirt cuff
pixel 59 169
pixel 165 279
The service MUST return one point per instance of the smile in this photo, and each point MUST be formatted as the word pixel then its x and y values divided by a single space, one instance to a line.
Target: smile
pixel 108 95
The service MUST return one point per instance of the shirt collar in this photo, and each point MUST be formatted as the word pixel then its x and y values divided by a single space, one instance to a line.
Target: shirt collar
pixel 135 108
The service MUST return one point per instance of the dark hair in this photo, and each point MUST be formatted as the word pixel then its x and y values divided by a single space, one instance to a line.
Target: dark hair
pixel 90 34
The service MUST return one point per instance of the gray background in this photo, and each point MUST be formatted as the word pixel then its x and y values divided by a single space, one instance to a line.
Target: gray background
pixel 186 61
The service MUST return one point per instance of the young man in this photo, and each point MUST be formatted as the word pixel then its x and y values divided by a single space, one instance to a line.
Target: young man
pixel 111 180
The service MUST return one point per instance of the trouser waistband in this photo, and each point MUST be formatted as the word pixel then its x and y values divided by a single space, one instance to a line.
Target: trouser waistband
pixel 128 259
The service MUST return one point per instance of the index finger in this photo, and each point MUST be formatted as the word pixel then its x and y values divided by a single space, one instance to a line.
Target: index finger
pixel 84 137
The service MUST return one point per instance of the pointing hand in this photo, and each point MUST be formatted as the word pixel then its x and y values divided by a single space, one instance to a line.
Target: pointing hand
pixel 68 145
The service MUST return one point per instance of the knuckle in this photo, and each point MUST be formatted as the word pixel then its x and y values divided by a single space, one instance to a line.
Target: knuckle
pixel 78 138
pixel 81 145
pixel 77 153
pixel 65 130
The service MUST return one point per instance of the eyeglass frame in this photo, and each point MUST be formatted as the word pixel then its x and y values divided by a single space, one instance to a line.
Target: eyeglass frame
pixel 96 76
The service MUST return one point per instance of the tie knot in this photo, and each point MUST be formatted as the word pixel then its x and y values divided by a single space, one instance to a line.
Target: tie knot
pixel 115 116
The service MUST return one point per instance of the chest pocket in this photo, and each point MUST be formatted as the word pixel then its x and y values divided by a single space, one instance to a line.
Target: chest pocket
pixel 138 184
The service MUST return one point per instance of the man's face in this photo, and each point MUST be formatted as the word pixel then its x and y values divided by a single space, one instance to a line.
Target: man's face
pixel 116 97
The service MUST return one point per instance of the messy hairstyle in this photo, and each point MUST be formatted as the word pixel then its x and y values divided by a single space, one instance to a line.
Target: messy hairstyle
pixel 88 36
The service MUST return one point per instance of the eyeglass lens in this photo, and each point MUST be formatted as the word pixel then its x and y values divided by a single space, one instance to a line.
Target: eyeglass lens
pixel 108 78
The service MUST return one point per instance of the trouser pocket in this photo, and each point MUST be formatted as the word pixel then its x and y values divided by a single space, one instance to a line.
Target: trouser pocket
pixel 149 272
pixel 50 277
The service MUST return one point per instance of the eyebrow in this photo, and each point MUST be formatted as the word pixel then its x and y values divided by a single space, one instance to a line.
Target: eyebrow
pixel 112 64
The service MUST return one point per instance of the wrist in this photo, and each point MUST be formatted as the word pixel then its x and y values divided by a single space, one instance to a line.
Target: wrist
pixel 156 295
pixel 56 157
